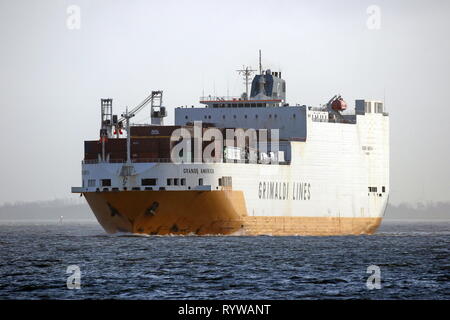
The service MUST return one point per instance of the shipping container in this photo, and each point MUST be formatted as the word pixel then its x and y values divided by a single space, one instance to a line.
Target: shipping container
pixel 149 131
pixel 144 145
pixel 145 155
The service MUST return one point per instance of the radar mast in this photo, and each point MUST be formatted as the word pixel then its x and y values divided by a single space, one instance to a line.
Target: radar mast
pixel 246 72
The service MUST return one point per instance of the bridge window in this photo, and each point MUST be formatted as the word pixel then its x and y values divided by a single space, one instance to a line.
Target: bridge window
pixel 378 107
pixel 169 182
pixel 148 182
pixel 183 181
pixel 106 182
pixel 200 181
pixel 176 181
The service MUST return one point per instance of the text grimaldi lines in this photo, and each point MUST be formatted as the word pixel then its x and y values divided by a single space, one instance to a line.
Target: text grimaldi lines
pixel 277 190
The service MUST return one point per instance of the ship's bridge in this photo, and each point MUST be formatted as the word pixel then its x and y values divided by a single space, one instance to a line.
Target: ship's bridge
pixel 238 102
pixel 268 90
pixel 264 108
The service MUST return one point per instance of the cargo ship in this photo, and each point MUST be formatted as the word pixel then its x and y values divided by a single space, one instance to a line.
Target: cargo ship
pixel 247 165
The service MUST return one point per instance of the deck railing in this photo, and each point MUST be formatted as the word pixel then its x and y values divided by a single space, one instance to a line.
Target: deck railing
pixel 166 160
pixel 140 160
pixel 223 98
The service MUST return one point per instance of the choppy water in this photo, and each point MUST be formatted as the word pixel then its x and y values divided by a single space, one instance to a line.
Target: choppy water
pixel 413 260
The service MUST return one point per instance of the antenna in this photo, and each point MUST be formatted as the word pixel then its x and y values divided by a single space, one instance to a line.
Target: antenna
pixel 246 72
pixel 203 85
pixel 260 65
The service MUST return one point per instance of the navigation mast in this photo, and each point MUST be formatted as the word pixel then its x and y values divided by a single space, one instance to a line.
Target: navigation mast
pixel 246 72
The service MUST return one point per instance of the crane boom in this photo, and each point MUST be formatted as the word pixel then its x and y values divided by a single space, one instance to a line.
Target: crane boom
pixel 140 106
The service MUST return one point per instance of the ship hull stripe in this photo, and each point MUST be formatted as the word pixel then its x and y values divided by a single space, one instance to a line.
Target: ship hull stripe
pixel 209 212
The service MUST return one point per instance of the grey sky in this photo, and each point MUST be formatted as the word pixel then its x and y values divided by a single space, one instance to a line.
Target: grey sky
pixel 52 78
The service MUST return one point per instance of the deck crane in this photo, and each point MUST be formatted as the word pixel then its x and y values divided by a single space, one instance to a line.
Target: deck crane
pixel 157 112
pixel 110 121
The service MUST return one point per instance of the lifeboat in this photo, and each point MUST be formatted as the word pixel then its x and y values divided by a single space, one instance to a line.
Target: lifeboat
pixel 339 104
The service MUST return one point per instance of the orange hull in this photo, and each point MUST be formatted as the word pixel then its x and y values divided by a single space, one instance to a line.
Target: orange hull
pixel 207 212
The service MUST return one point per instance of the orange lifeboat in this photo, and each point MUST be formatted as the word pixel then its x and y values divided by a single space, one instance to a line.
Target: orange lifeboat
pixel 339 104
